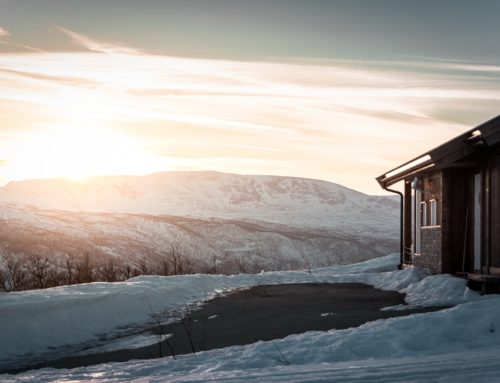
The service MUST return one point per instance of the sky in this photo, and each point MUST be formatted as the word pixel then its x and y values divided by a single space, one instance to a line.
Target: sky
pixel 335 90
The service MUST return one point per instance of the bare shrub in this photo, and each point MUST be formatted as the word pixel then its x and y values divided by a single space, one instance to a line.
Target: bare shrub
pixel 38 269
pixel 12 271
pixel 84 269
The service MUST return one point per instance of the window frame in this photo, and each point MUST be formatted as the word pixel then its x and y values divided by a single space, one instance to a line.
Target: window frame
pixel 423 212
pixel 433 213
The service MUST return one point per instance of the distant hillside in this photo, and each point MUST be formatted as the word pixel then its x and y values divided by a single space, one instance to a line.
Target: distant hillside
pixel 291 201
pixel 214 222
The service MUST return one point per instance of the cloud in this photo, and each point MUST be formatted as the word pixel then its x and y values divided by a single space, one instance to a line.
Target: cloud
pixel 95 45
pixel 342 121
pixel 74 81
pixel 4 33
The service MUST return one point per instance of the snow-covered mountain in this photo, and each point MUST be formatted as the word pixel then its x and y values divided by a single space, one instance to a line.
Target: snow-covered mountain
pixel 241 223
pixel 286 200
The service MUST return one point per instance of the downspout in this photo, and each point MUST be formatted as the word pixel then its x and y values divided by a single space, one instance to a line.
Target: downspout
pixel 401 260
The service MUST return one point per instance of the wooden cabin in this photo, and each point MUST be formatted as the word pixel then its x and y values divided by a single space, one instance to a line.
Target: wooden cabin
pixel 450 206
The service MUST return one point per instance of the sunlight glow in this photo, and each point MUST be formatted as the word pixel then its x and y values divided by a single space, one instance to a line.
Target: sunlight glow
pixel 79 152
pixel 120 111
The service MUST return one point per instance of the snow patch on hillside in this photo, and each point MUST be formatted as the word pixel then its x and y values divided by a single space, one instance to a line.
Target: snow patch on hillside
pixel 235 246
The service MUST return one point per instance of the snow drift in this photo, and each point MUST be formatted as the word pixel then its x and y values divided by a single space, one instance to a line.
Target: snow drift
pixel 57 321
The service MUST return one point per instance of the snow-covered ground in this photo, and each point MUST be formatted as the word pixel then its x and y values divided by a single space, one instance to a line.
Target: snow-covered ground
pixel 458 344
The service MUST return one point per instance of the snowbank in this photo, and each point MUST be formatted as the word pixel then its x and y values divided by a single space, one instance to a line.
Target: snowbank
pixel 460 344
pixel 41 323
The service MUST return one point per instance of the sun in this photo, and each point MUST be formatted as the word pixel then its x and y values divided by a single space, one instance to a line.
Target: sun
pixel 78 152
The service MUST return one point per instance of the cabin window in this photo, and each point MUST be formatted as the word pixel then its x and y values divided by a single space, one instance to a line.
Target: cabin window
pixel 423 214
pixel 433 213
pixel 417 213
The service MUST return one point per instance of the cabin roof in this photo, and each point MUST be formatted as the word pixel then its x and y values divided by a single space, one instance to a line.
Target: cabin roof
pixel 444 155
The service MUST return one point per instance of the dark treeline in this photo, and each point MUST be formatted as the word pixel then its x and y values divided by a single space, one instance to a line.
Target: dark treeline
pixel 39 269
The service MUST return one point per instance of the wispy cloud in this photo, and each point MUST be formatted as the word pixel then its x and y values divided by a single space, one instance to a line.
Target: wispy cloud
pixel 343 121
pixel 5 40
pixel 4 32
pixel 96 45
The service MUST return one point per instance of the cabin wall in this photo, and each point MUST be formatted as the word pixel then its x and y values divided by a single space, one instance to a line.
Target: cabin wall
pixel 456 221
pixel 432 189
pixel 458 215
pixel 430 256
pixel 495 212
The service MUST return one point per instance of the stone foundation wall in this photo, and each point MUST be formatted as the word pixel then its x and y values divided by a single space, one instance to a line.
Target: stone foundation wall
pixel 430 257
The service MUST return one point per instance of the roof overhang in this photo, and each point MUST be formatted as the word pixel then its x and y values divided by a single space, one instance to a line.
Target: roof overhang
pixel 414 166
pixel 446 155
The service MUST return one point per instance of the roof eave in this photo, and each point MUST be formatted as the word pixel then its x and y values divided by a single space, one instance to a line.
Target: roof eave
pixel 444 154
pixel 408 169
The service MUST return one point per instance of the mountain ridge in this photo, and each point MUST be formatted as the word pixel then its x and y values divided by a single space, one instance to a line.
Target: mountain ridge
pixel 215 222
pixel 286 200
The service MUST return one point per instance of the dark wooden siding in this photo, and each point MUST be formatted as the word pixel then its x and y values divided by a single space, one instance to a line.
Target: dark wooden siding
pixel 448 247
pixel 495 212
pixel 456 211
pixel 458 214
